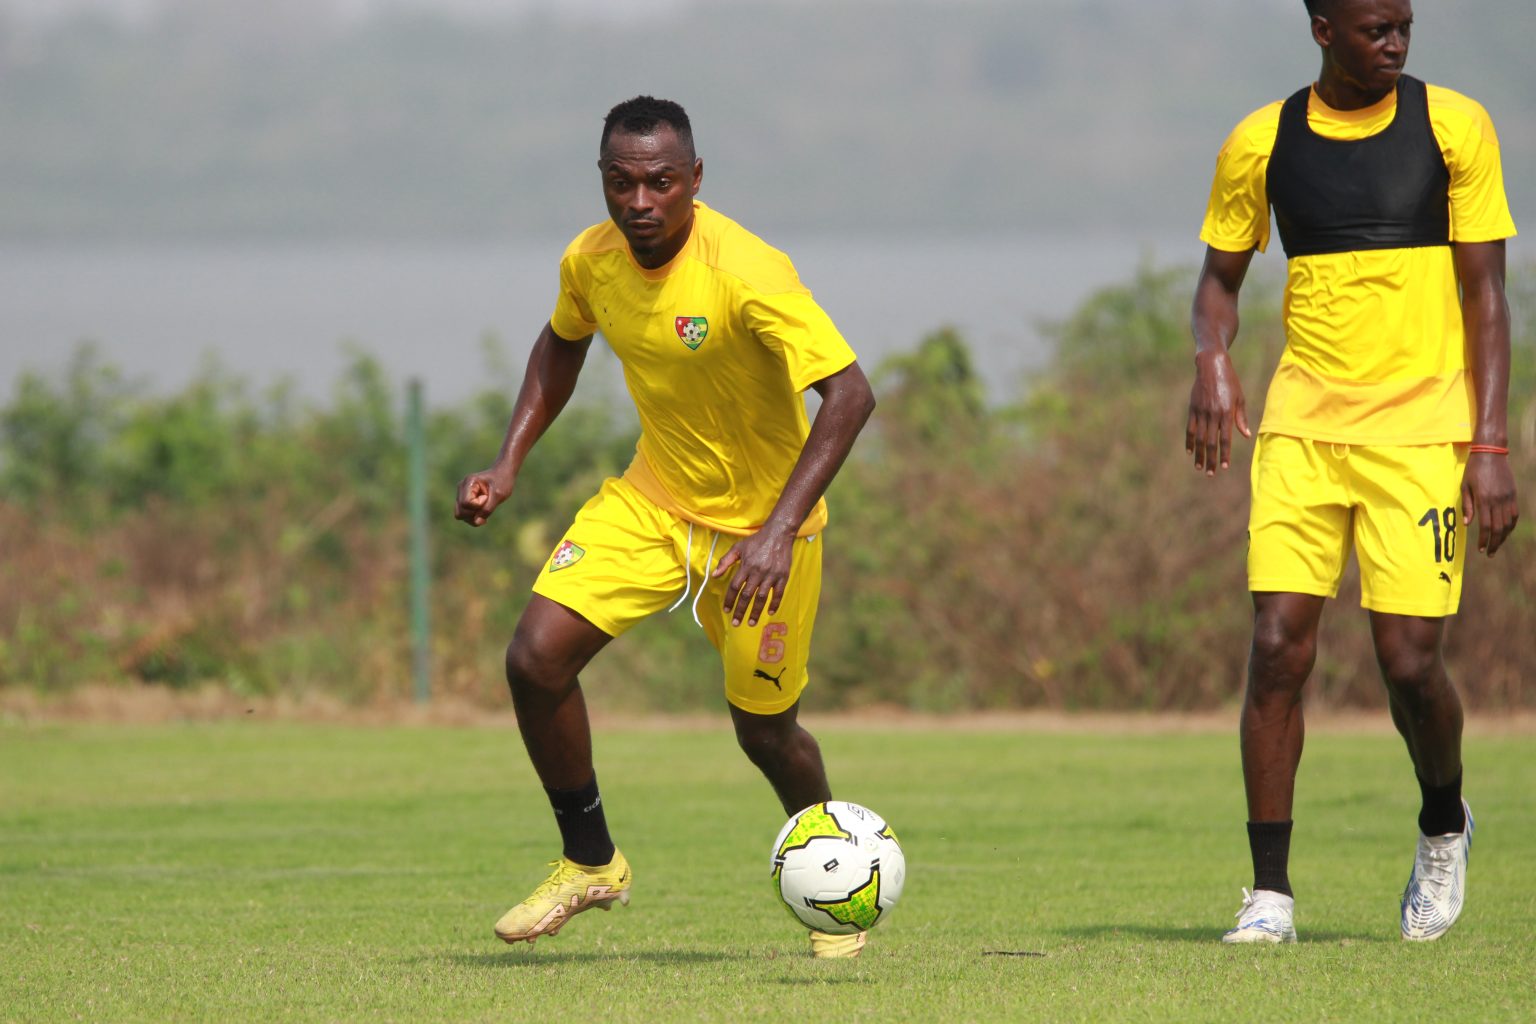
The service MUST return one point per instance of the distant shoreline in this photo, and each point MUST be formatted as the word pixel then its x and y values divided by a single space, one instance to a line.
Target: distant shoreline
pixel 265 311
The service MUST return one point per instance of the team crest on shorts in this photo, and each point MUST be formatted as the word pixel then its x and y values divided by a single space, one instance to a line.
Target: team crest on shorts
pixel 566 554
pixel 692 330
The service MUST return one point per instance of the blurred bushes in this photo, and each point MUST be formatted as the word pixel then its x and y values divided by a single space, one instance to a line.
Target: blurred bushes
pixel 1059 551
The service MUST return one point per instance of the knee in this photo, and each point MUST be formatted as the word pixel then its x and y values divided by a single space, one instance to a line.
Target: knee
pixel 531 670
pixel 1410 671
pixel 1281 658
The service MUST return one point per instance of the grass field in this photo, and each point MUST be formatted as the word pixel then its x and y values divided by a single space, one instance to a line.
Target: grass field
pixel 275 872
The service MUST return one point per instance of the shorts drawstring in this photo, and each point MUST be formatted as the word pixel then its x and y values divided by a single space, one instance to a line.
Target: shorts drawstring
pixel 688 574
pixel 687 570
pixel 704 580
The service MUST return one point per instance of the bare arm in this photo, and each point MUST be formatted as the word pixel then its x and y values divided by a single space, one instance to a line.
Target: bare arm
pixel 846 402
pixel 553 366
pixel 1216 401
pixel 1488 487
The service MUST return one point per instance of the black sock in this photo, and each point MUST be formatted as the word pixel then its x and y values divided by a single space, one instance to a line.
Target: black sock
pixel 583 828
pixel 1270 844
pixel 1442 813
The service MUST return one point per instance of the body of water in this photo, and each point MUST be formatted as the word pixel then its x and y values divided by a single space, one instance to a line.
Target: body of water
pixel 268 311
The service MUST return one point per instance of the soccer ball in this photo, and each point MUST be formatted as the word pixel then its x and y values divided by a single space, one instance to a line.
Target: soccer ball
pixel 838 868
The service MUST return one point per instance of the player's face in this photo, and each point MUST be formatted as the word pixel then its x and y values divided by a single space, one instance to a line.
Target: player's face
pixel 1366 43
pixel 649 182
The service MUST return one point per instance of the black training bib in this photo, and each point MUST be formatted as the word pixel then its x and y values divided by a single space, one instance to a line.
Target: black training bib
pixel 1388 191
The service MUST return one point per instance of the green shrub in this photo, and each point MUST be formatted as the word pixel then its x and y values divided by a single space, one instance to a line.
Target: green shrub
pixel 1057 551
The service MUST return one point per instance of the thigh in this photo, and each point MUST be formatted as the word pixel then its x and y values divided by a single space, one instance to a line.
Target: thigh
pixel 1408 529
pixel 617 563
pixel 552 644
pixel 1299 523
pixel 765 665
pixel 1410 638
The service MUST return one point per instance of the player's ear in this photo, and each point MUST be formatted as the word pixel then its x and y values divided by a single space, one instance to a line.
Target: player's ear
pixel 698 175
pixel 1322 31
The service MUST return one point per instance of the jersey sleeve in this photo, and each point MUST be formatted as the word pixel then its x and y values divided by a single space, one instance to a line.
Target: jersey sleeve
pixel 791 323
pixel 1237 213
pixel 572 318
pixel 1479 207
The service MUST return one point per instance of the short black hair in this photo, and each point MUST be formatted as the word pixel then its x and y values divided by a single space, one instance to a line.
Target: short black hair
pixel 1319 7
pixel 643 115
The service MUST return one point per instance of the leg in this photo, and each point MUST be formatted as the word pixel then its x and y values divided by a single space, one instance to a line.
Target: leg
pixel 765 673
pixel 1299 539
pixel 1299 532
pixel 790 758
pixel 1425 709
pixel 615 565
pixel 1411 562
pixel 1284 650
pixel 786 754
pixel 551 645
pixel 1427 712
pixel 1425 706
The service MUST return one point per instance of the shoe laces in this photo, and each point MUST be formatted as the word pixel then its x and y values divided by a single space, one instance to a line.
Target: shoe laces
pixel 1254 906
pixel 1435 869
pixel 551 885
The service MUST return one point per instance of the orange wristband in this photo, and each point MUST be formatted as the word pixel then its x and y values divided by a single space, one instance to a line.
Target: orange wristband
pixel 1491 449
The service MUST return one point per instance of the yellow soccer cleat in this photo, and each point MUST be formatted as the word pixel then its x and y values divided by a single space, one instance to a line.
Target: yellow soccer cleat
pixel 570 890
pixel 837 947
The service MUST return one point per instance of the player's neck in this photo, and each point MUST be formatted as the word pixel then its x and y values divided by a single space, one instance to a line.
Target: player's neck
pixel 1341 94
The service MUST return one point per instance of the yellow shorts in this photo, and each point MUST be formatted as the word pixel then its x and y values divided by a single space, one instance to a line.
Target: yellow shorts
pixel 1398 507
pixel 625 558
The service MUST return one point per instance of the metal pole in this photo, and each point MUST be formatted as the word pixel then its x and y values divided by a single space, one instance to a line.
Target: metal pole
pixel 421 576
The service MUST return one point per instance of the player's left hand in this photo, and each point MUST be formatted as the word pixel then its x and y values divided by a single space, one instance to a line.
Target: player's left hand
pixel 764 560
pixel 1488 490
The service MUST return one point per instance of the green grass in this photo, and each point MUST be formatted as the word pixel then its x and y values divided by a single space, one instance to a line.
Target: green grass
pixel 252 871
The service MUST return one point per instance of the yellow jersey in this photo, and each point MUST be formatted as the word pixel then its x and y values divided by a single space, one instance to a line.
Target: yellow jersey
pixel 1375 349
pixel 717 347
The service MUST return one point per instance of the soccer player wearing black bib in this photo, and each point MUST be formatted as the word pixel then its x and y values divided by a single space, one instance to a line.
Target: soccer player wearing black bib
pixel 1384 427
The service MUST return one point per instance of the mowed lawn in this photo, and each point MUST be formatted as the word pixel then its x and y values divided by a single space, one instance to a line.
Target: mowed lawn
pixel 252 871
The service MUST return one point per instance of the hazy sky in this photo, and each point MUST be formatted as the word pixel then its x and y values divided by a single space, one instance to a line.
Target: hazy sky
pixel 206 188
pixel 44 10
pixel 33 10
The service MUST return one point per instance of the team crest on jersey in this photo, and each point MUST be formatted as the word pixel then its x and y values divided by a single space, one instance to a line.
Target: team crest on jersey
pixel 565 555
pixel 692 330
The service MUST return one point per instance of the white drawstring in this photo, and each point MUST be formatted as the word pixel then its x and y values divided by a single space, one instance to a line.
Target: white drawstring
pixel 687 569
pixel 704 580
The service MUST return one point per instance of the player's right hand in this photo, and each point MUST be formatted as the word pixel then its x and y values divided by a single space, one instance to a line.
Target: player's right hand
pixel 479 495
pixel 1215 405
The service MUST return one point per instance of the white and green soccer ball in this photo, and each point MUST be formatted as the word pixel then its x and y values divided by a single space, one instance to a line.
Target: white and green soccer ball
pixel 838 868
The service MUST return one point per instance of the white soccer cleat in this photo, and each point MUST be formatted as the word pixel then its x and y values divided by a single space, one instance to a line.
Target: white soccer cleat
pixel 1437 888
pixel 1265 917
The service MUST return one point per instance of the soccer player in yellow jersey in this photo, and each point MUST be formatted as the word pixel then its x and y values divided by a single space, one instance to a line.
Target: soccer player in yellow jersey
pixel 721 511
pixel 1384 427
